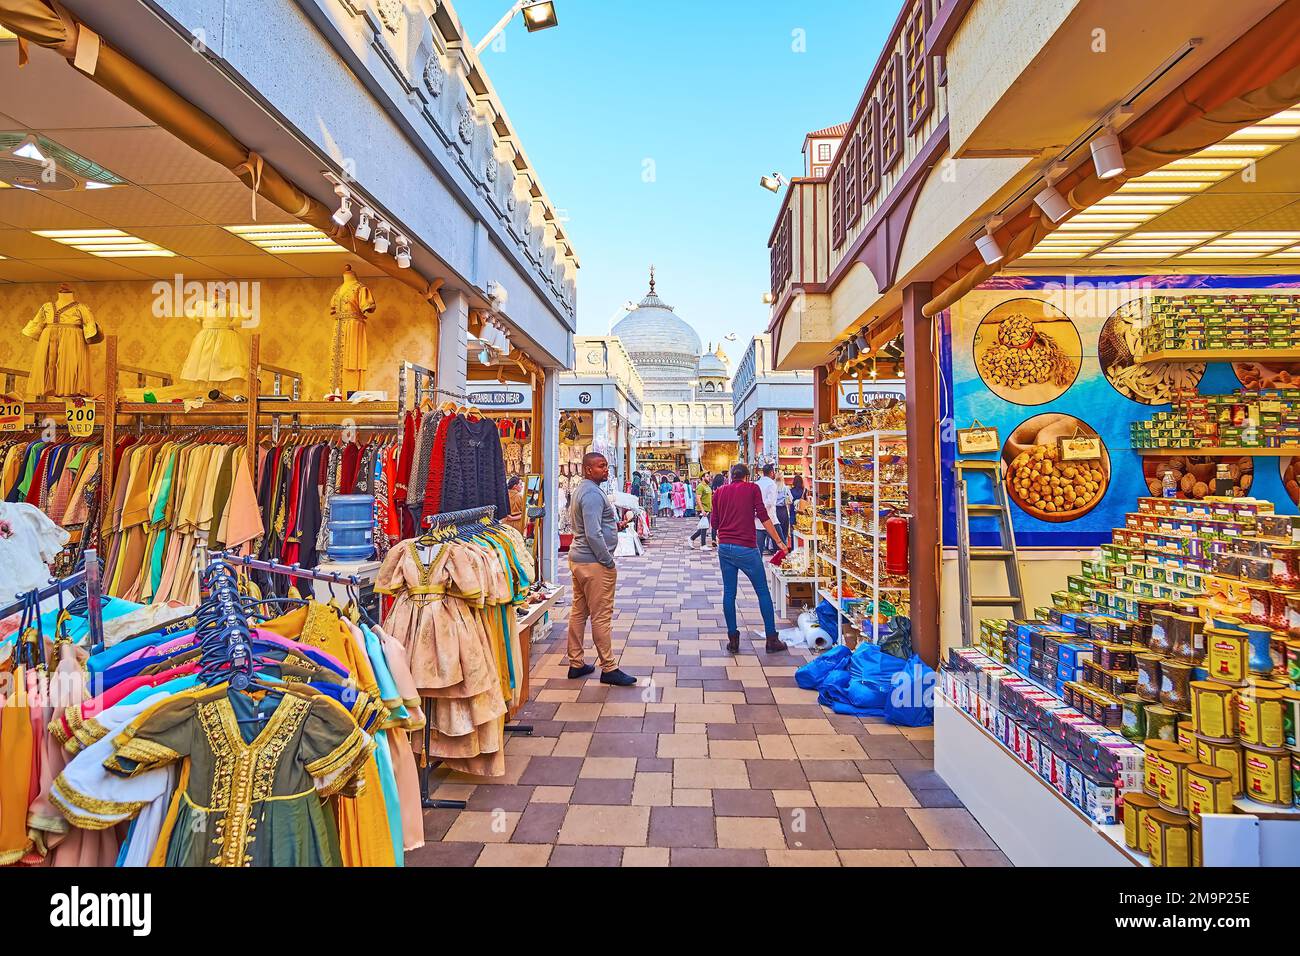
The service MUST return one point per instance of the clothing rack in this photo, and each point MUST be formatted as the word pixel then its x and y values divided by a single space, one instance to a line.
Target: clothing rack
pixel 424 385
pixel 89 575
pixel 231 636
pixel 467 516
pixel 291 570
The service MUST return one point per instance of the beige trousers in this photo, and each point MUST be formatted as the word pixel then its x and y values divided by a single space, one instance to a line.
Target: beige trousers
pixel 593 597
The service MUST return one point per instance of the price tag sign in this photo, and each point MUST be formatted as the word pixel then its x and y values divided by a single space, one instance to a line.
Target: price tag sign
pixel 977 439
pixel 1080 449
pixel 79 414
pixel 13 412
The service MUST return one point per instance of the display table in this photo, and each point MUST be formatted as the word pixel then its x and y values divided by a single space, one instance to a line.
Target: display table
pixel 779 584
pixel 1030 822
pixel 526 624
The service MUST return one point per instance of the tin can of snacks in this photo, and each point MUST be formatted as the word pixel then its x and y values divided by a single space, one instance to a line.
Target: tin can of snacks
pixel 1259 718
pixel 1148 681
pixel 1136 806
pixel 1293 661
pixel 1168 838
pixel 1290 718
pixel 1171 779
pixel 1259 658
pixel 1214 709
pixel 1268 775
pixel 1160 641
pixel 1154 749
pixel 1265 683
pixel 1186 637
pixel 1277 653
pixel 1209 790
pixel 1227 755
pixel 1134 720
pixel 1187 736
pixel 1161 723
pixel 1295 778
pixel 1175 680
pixel 1228 656
pixel 1198 848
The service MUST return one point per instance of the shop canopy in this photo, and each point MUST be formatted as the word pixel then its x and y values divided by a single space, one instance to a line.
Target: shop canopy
pixel 1253 79
pixel 49 25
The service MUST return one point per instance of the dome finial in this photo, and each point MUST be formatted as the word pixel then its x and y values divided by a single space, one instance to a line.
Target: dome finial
pixel 652 279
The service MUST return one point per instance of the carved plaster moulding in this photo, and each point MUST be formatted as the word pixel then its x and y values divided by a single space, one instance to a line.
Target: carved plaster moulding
pixel 491 168
pixel 466 127
pixel 392 13
pixel 435 77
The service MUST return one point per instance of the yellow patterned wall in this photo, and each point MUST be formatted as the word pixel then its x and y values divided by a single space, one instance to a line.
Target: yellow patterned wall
pixel 295 325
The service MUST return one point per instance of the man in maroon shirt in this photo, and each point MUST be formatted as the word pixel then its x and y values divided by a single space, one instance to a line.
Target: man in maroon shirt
pixel 736 506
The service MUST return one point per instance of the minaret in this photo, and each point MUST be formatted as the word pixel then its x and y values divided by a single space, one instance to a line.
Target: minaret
pixel 652 279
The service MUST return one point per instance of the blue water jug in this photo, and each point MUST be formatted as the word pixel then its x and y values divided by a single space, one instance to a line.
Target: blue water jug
pixel 352 527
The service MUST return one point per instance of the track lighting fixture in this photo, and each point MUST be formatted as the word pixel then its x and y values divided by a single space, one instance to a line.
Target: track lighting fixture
pixel 1107 156
pixel 403 251
pixel 989 249
pixel 382 229
pixel 364 224
pixel 1055 206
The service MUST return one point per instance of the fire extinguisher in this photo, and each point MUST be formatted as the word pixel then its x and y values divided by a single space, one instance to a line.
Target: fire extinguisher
pixel 896 543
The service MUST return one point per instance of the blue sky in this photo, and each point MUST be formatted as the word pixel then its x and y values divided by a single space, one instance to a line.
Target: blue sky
pixel 699 97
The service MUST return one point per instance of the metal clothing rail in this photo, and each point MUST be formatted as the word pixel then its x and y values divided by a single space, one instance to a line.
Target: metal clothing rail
pixel 89 575
pixel 291 570
pixel 227 632
pixel 466 516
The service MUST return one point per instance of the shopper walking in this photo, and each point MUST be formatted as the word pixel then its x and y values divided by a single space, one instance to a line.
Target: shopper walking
pixel 679 497
pixel 767 488
pixel 591 562
pixel 665 498
pixel 703 506
pixel 784 505
pixel 736 509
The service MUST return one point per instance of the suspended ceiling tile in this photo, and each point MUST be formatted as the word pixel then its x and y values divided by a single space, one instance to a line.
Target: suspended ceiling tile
pixel 1285 219
pixel 144 155
pixel 94 269
pixel 21 244
pixel 1277 172
pixel 224 204
pixel 204 240
pixel 24 209
pixel 127 207
pixel 1218 213
pixel 327 264
pixel 252 267
pixel 16 270
pixel 49 93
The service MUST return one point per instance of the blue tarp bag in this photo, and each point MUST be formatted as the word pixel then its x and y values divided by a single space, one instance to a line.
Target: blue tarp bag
pixel 829 619
pixel 834 688
pixel 874 666
pixel 811 675
pixel 911 695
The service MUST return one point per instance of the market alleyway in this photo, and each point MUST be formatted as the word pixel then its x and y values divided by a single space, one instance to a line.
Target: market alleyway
pixel 722 762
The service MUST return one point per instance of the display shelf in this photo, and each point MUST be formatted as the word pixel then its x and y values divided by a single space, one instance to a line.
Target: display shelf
pixel 536 611
pixel 859 437
pixel 209 409
pixel 1219 355
pixel 1248 452
pixel 1030 821
pixel 341 409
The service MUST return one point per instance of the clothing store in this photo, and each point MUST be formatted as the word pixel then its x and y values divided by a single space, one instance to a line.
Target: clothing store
pixel 241 382
pixel 602 398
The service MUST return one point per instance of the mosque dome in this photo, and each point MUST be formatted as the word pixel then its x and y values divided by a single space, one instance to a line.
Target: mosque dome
pixel 662 346
pixel 714 364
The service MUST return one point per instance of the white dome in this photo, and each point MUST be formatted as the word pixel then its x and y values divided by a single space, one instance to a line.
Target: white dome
pixel 661 345
pixel 714 364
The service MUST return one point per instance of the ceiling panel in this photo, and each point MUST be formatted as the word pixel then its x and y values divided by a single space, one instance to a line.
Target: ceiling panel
pixel 25 209
pixel 326 264
pixel 1219 212
pixel 94 269
pixel 48 94
pixel 202 240
pixel 21 244
pixel 128 207
pixel 144 155
pixel 18 271
pixel 224 204
pixel 1276 173
pixel 260 266
pixel 1287 218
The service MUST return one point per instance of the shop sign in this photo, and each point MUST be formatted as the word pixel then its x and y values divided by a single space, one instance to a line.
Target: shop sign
pixel 1080 449
pixel 497 398
pixel 977 439
pixel 13 412
pixel 850 396
pixel 79 415
pixel 584 398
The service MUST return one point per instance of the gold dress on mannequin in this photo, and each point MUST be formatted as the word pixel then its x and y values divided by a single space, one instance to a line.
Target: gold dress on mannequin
pixel 61 366
pixel 351 303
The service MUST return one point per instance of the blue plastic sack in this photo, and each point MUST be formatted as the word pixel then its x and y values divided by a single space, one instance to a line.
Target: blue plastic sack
pixel 834 688
pixel 811 675
pixel 911 695
pixel 829 618
pixel 874 666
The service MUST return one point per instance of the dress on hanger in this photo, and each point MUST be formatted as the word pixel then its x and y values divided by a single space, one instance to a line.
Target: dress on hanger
pixel 61 366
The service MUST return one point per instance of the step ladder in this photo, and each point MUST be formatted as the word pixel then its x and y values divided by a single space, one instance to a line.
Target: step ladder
pixel 1003 552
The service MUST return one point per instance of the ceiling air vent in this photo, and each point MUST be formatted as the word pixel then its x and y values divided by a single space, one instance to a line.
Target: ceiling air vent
pixel 28 161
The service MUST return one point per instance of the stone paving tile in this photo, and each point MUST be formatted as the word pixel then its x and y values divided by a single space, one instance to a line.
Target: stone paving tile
pixel 712 760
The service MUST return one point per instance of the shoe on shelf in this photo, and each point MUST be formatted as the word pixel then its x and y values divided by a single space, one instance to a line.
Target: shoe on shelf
pixel 617 678
pixel 583 671
pixel 733 643
pixel 775 645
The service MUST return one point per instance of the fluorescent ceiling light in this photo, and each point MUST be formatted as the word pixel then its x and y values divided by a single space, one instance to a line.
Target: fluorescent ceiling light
pixel 1217 255
pixel 1121 198
pixel 1237 149
pixel 1163 174
pixel 286 239
pixel 105 243
pixel 1268 133
pixel 1203 162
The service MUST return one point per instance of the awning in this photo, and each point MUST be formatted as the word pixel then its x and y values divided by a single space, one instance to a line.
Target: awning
pixel 49 25
pixel 1255 77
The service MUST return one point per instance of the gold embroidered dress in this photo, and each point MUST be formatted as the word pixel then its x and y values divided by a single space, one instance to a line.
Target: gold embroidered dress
pixel 61 366
pixel 350 306
pixel 251 794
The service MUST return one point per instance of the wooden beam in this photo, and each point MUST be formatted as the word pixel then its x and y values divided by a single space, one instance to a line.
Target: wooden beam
pixel 109 436
pixel 254 391
pixel 922 472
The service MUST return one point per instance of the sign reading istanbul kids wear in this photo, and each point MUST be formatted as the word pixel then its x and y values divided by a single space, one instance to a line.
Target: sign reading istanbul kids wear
pixel 502 396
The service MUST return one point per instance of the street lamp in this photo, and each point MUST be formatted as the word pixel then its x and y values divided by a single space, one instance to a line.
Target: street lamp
pixel 538 15
pixel 773 183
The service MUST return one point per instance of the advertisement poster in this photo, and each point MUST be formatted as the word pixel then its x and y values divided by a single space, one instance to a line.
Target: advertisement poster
pixel 1055 364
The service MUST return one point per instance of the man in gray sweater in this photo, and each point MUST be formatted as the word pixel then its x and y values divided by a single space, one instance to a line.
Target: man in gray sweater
pixel 591 562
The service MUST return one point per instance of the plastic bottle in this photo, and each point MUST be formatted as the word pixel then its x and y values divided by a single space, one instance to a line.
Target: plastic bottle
pixel 1169 484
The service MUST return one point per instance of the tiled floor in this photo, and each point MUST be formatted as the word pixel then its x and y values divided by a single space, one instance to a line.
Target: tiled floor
pixel 714 761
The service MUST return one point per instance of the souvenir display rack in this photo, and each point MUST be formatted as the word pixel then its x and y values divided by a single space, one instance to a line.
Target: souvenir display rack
pixel 850 491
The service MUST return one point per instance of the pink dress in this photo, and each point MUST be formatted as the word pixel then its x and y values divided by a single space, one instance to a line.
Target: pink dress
pixel 679 497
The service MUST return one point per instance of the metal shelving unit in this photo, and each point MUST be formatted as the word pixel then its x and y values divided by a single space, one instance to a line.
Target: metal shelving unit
pixel 824 548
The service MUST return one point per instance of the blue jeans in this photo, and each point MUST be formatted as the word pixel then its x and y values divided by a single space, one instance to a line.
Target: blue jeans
pixel 732 558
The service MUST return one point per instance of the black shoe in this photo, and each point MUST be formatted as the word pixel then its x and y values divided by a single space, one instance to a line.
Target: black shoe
pixel 733 643
pixel 583 671
pixel 775 645
pixel 617 678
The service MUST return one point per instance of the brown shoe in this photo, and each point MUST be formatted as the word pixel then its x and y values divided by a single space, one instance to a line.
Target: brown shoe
pixel 733 643
pixel 775 645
